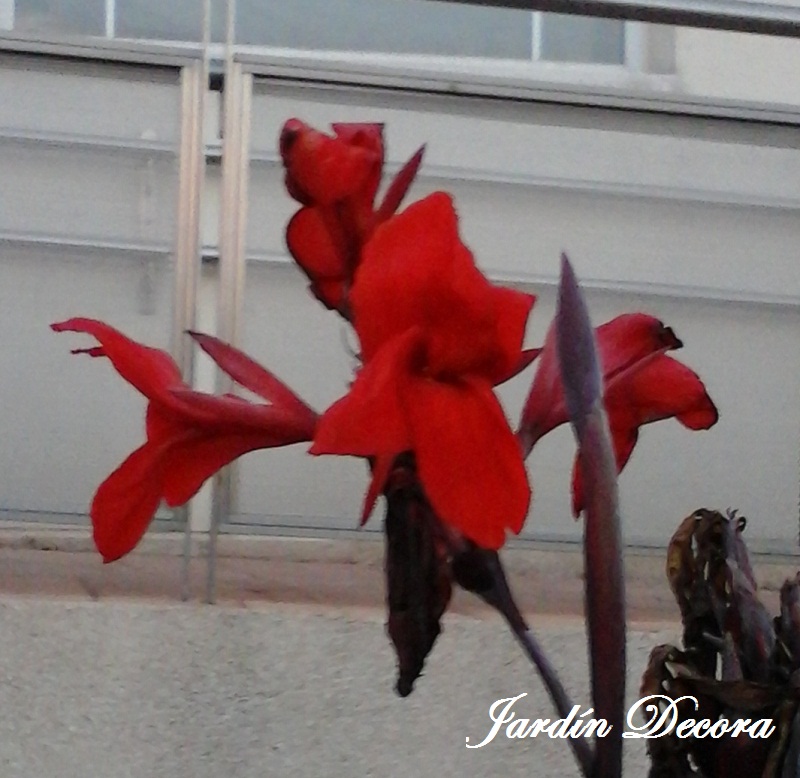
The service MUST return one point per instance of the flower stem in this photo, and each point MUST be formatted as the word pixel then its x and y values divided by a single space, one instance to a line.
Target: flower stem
pixel 481 572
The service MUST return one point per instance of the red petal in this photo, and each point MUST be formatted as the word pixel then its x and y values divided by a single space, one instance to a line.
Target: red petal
pixel 317 244
pixel 152 371
pixel 623 344
pixel 162 424
pixel 659 389
pixel 192 461
pixel 370 137
pixel 276 426
pixel 249 374
pixel 526 358
pixel 331 294
pixel 371 419
pixel 416 272
pixel 400 185
pixel 322 168
pixel 624 435
pixel 545 407
pixel 381 469
pixel 469 461
pixel 626 340
pixel 125 503
pixel 511 311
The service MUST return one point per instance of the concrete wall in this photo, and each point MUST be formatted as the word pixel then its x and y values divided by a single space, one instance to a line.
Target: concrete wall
pixel 692 219
pixel 737 66
pixel 88 156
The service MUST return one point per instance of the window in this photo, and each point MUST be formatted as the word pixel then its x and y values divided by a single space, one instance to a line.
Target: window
pixel 386 26
pixel 404 33
pixel 176 20
pixel 58 17
pixel 561 38
pixel 424 27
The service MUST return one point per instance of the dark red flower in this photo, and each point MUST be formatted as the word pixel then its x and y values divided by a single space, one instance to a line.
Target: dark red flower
pixel 435 337
pixel 641 385
pixel 336 178
pixel 190 435
pixel 659 388
pixel 621 344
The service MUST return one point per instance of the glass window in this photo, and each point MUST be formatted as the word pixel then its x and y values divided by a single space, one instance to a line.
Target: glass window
pixel 412 27
pixel 566 38
pixel 397 26
pixel 177 20
pixel 60 17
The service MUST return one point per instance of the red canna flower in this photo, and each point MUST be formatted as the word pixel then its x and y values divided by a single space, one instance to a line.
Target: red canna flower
pixel 435 337
pixel 659 388
pixel 621 344
pixel 336 178
pixel 190 435
pixel 641 385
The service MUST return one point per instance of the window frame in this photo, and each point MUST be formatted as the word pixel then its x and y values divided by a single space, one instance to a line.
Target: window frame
pixel 633 72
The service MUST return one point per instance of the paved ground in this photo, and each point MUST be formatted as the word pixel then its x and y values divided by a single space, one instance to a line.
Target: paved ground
pixel 130 689
pixel 105 673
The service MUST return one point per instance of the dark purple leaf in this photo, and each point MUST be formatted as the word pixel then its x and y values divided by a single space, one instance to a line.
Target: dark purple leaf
pixel 605 591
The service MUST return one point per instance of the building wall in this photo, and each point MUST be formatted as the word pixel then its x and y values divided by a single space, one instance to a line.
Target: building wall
pixel 693 219
pixel 738 66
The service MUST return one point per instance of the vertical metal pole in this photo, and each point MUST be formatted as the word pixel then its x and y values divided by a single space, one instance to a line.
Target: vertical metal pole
pixel 233 217
pixel 636 47
pixel 7 8
pixel 191 168
pixel 111 18
pixel 536 36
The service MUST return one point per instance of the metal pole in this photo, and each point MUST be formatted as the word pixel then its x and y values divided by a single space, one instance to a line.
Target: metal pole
pixel 753 16
pixel 233 211
pixel 190 282
pixel 187 249
pixel 111 18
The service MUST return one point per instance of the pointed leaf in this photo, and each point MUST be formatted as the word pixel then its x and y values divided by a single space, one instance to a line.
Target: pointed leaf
pixel 605 592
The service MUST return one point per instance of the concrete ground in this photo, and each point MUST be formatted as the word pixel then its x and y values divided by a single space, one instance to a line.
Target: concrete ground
pixel 104 672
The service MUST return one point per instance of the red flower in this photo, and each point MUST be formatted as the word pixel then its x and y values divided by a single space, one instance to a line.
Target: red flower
pixel 435 337
pixel 658 388
pixel 641 385
pixel 190 435
pixel 336 179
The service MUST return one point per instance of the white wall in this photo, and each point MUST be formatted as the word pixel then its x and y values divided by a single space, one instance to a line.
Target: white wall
pixel 694 221
pixel 738 66
pixel 87 218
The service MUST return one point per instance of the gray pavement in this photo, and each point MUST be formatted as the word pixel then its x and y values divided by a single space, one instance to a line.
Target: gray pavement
pixel 126 688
